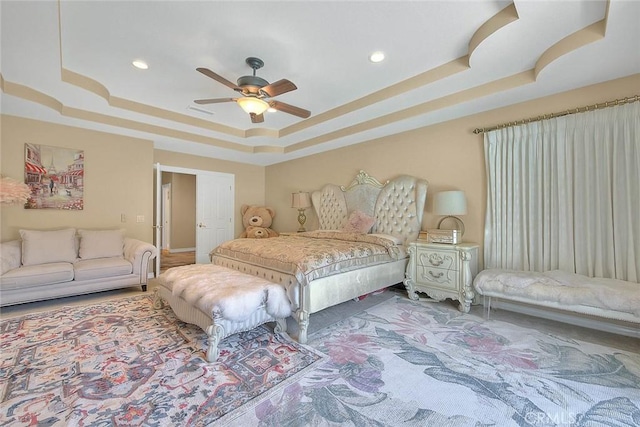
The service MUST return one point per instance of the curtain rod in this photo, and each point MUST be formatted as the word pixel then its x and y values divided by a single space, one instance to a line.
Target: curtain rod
pixel 560 114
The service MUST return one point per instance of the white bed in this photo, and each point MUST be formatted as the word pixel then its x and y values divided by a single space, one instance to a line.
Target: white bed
pixel 397 206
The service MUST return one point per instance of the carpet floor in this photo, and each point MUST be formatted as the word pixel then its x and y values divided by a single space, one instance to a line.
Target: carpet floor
pixel 406 363
pixel 123 362
pixel 383 361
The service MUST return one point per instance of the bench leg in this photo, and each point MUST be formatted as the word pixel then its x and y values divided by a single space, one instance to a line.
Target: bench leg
pixel 215 333
pixel 487 306
pixel 158 303
pixel 281 326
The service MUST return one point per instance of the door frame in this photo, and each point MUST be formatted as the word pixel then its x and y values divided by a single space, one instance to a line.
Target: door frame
pixel 165 218
pixel 159 168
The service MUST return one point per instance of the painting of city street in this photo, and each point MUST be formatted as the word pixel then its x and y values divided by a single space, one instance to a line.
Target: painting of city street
pixel 55 176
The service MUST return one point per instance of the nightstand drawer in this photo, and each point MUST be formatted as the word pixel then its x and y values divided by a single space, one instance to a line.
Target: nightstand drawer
pixel 443 277
pixel 437 259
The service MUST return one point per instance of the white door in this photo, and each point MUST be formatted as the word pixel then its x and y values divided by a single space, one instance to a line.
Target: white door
pixel 214 212
pixel 157 238
pixel 166 216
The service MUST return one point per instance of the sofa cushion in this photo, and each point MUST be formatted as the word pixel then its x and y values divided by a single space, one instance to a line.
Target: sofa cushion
pixel 10 255
pixel 43 247
pixel 32 275
pixel 101 267
pixel 101 243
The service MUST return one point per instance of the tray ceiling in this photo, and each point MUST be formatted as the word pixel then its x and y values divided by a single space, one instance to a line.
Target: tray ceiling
pixel 70 62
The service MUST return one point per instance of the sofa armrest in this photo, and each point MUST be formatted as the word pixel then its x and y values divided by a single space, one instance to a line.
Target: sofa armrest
pixel 10 255
pixel 139 254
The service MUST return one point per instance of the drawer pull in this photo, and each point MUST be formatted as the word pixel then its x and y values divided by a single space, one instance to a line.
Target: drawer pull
pixel 436 276
pixel 435 260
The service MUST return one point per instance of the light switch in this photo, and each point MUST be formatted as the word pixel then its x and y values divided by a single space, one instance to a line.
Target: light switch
pixel 140 218
pixel 123 218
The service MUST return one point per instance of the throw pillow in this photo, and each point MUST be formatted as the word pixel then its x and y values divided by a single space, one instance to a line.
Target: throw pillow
pixel 42 247
pixel 101 243
pixel 359 222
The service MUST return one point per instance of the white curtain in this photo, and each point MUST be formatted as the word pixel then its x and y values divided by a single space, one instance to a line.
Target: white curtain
pixel 564 194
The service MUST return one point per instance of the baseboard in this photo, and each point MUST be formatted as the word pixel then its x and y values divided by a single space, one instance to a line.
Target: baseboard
pixel 175 251
pixel 586 321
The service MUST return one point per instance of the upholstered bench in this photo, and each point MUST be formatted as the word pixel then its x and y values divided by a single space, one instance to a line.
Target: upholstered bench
pixel 606 298
pixel 221 301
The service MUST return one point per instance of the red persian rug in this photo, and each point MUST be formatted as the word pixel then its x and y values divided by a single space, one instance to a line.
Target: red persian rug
pixel 124 363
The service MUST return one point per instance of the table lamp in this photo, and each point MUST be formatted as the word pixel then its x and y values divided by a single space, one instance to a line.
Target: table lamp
pixel 450 204
pixel 301 201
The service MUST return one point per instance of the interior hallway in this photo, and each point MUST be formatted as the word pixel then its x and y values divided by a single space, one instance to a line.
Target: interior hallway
pixel 168 260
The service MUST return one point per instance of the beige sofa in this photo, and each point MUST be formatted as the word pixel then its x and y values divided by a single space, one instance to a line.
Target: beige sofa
pixel 58 263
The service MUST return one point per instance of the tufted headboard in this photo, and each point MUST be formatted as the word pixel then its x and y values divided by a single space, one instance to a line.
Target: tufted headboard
pixel 397 205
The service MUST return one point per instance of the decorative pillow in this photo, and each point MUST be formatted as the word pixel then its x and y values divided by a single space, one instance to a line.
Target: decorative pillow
pixel 101 243
pixel 42 247
pixel 359 222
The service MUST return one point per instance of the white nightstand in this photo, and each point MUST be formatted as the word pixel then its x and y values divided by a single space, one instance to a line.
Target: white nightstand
pixel 442 271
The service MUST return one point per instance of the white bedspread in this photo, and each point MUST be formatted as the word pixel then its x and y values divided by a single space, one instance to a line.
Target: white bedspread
pixel 565 289
pixel 234 295
pixel 313 254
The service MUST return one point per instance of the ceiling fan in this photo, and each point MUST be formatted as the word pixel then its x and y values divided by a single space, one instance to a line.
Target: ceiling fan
pixel 256 92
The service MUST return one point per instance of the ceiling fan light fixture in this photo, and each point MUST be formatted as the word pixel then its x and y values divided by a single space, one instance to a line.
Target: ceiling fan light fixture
pixel 253 105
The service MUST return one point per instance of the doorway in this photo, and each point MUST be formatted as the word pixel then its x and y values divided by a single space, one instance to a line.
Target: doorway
pixel 200 214
pixel 170 259
pixel 178 205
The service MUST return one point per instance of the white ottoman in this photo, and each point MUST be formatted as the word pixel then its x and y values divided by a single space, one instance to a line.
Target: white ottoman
pixel 221 301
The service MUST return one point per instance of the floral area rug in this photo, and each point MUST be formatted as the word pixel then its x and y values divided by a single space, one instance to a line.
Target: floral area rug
pixel 405 363
pixel 124 363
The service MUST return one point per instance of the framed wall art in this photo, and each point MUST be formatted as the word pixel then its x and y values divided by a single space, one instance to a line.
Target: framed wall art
pixel 55 176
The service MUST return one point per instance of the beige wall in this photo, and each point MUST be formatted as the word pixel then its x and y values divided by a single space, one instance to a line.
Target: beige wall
pixel 249 179
pixel 118 179
pixel 449 155
pixel 183 211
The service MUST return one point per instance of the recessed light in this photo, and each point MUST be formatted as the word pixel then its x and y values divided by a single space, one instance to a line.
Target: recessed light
pixel 376 56
pixel 138 63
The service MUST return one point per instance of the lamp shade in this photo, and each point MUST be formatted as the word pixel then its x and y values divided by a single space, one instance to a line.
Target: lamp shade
pixel 450 203
pixel 251 104
pixel 300 200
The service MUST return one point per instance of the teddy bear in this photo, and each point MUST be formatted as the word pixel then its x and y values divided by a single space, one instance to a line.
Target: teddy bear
pixel 257 216
pixel 259 232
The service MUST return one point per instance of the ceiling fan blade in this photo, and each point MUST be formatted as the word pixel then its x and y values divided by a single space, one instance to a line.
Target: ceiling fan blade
pixel 279 87
pixel 286 108
pixel 207 72
pixel 256 118
pixel 213 100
